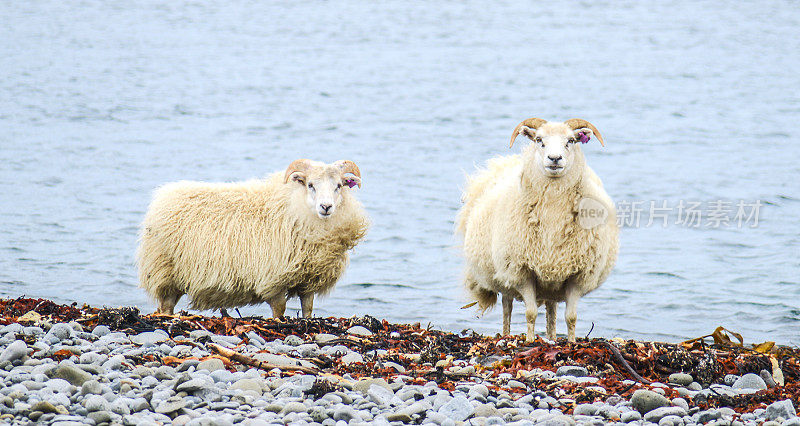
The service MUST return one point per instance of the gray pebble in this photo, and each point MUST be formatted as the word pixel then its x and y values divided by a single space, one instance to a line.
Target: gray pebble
pixel 680 402
pixel 359 331
pixel 96 403
pixel 91 387
pixel 351 358
pixel 101 330
pixel 323 338
pixel 749 381
pixel 61 331
pixel 682 379
pixel 783 409
pixel 645 401
pixel 584 410
pixel 212 364
pixel 345 413
pixel 170 405
pixel 730 379
pixel 630 416
pixel 294 407
pixel 16 350
pixel 572 370
pixel 768 379
pixel 707 416
pixel 659 413
pixel 457 409
pixel 72 374
pixel 293 340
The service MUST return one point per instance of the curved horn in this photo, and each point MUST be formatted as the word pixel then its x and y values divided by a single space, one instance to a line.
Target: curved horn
pixel 533 123
pixel 577 123
pixel 302 165
pixel 348 166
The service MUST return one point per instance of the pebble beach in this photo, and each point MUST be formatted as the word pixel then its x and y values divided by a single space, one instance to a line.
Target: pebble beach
pixel 65 365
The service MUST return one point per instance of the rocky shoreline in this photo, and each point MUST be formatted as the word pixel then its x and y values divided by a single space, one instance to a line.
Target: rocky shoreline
pixel 67 365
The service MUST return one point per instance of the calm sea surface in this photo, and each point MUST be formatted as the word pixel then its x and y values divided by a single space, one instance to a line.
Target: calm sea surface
pixel 100 102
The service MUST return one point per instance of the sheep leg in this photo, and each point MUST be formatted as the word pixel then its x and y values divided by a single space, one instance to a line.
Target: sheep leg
pixel 508 301
pixel 551 319
pixel 307 304
pixel 166 304
pixel 278 305
pixel 571 314
pixel 528 293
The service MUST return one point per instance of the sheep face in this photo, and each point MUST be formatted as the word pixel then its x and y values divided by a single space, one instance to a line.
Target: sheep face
pixel 556 147
pixel 323 185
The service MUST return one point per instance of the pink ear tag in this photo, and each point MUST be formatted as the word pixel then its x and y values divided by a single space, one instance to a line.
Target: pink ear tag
pixel 584 138
pixel 350 182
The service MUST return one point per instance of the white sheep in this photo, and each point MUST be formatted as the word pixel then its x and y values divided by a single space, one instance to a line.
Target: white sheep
pixel 232 244
pixel 538 226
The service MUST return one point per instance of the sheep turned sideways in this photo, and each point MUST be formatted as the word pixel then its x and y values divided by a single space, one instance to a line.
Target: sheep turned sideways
pixel 538 226
pixel 266 240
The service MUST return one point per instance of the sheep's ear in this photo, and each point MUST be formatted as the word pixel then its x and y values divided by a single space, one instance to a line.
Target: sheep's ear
pixel 298 177
pixel 583 134
pixel 528 132
pixel 351 181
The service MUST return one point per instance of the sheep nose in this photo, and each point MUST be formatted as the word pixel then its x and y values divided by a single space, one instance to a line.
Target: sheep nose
pixel 555 159
pixel 325 207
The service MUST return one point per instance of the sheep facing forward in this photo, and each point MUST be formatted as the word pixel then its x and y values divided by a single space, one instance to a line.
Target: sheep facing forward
pixel 233 244
pixel 525 229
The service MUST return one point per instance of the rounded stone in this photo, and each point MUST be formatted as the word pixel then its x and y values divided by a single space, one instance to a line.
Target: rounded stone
pixel 682 379
pixel 95 403
pixel 399 417
pixel 294 407
pixel 44 407
pixel 630 416
pixel 584 410
pixel 73 375
pixel 730 379
pixel 211 364
pixel 480 389
pixel 458 409
pixel 91 387
pixel 61 331
pixel 750 381
pixel 345 413
pixel 172 404
pixel 149 338
pixel 293 340
pixel 323 338
pixel 351 358
pixel 364 385
pixel 101 330
pixel 783 409
pixel 656 415
pixel 572 370
pixel 768 379
pixel 645 401
pixel 16 350
pixel 250 385
pixel 359 331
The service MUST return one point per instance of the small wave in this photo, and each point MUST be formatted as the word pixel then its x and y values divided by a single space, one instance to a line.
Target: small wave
pixel 372 300
pixel 387 285
pixel 665 274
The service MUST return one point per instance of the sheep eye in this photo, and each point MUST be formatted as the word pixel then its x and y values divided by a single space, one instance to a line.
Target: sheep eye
pixel 310 185
pixel 539 141
pixel 339 186
pixel 571 140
